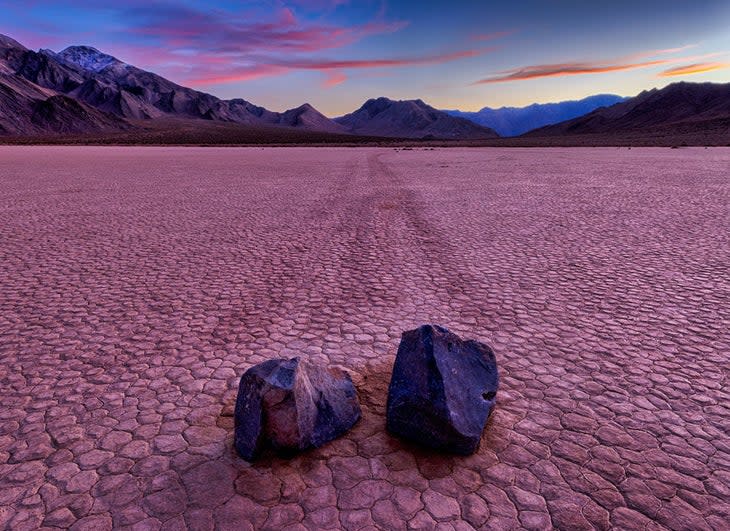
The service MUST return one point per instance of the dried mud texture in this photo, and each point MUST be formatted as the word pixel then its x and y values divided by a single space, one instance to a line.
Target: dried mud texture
pixel 138 284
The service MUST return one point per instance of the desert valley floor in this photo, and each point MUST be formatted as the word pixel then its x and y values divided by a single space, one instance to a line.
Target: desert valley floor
pixel 137 284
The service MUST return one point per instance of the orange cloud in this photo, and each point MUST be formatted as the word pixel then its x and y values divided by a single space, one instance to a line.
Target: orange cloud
pixel 629 62
pixel 564 69
pixel 696 68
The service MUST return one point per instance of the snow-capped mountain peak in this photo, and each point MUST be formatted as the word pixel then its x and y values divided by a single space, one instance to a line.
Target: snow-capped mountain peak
pixel 88 58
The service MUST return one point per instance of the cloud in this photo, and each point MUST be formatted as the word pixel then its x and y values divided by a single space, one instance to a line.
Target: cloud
pixel 329 64
pixel 564 69
pixel 246 73
pixel 333 67
pixel 319 4
pixel 695 68
pixel 492 36
pixel 245 41
pixel 239 33
pixel 215 46
pixel 239 41
pixel 654 53
pixel 334 78
pixel 629 62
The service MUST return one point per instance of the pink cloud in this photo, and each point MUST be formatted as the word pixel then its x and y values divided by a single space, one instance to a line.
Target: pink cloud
pixel 326 66
pixel 205 47
pixel 287 18
pixel 319 4
pixel 334 78
pixel 492 36
pixel 227 33
pixel 240 74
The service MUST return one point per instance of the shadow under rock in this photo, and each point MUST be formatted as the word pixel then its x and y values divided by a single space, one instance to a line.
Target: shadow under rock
pixel 369 437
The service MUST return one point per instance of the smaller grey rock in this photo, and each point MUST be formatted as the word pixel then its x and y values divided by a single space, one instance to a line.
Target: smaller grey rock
pixel 442 391
pixel 292 405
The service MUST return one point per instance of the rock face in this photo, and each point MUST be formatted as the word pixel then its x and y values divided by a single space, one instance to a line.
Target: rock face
pixel 30 98
pixel 27 109
pixel 442 390
pixel 292 405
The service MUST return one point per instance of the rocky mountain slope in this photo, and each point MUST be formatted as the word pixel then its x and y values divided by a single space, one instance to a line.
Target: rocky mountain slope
pixel 677 109
pixel 410 119
pixel 111 85
pixel 103 86
pixel 28 108
pixel 103 83
pixel 514 121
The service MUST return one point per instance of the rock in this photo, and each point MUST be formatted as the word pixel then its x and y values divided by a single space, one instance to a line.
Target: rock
pixel 442 390
pixel 292 405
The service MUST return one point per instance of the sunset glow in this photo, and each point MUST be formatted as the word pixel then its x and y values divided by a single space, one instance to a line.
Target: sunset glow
pixel 697 68
pixel 334 54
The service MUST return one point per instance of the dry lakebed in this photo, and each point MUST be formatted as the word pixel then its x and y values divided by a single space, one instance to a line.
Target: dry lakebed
pixel 138 284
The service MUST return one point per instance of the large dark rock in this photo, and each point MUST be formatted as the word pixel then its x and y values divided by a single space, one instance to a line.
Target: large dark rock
pixel 442 391
pixel 292 405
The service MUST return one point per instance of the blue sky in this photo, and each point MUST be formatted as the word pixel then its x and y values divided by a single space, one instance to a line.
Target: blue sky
pixel 335 54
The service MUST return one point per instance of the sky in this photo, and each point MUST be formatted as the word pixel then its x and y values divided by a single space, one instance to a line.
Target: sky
pixel 335 54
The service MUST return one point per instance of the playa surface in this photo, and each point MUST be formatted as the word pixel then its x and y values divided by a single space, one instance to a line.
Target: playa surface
pixel 138 284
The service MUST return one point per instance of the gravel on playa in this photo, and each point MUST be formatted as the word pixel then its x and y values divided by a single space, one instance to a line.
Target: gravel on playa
pixel 138 284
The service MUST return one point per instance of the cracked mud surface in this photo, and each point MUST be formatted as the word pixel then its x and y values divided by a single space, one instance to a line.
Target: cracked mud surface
pixel 137 284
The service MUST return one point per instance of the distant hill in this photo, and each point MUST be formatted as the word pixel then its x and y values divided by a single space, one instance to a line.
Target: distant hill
pixel 514 121
pixel 673 111
pixel 309 118
pixel 410 119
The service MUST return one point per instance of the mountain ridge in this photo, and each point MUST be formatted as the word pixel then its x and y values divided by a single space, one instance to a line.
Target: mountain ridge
pixel 410 119
pixel 679 107
pixel 29 106
pixel 102 81
pixel 514 121
pixel 81 90
pixel 110 86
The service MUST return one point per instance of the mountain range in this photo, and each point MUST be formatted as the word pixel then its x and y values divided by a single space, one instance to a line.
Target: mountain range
pixel 514 121
pixel 679 108
pixel 410 119
pixel 31 108
pixel 83 91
